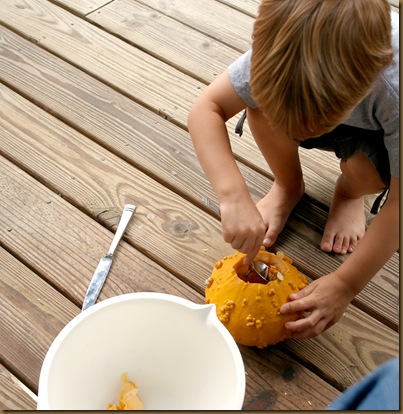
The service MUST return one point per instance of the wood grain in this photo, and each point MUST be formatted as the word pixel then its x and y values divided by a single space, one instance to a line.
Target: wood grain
pixel 249 7
pixel 30 298
pixel 186 242
pixel 211 18
pixel 201 56
pixel 125 77
pixel 122 125
pixel 95 52
pixel 198 238
pixel 80 6
pixel 94 100
pixel 14 395
pixel 30 308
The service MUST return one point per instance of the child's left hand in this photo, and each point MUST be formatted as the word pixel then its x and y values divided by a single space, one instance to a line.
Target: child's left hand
pixel 324 301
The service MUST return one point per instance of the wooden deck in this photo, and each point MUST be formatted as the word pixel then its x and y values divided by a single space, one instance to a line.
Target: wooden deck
pixel 94 101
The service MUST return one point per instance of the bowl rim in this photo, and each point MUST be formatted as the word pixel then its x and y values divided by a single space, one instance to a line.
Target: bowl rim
pixel 239 393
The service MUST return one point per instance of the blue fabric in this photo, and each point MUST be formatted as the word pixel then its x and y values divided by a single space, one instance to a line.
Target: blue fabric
pixel 377 391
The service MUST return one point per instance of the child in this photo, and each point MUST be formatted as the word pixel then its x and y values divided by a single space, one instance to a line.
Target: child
pixel 320 74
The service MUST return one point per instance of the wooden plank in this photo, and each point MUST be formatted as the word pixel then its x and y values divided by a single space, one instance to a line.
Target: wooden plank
pixel 200 55
pixel 262 393
pixel 82 7
pixel 395 4
pixel 97 181
pixel 172 99
pixel 249 7
pixel 28 213
pixel 211 18
pixel 32 312
pixel 181 238
pixel 280 374
pixel 361 347
pixel 135 134
pixel 37 226
pixel 113 120
pixel 98 114
pixel 155 83
pixel 14 395
pixel 53 84
pixel 116 122
pixel 290 241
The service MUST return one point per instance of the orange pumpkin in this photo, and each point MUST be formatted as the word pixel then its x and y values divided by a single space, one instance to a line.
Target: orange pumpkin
pixel 250 310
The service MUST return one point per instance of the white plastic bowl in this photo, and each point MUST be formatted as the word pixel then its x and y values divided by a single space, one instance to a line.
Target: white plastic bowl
pixel 177 352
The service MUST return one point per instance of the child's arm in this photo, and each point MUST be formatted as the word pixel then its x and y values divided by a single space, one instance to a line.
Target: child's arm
pixel 243 226
pixel 327 297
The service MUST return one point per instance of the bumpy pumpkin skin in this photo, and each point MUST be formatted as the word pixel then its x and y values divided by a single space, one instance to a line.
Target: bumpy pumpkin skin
pixel 250 311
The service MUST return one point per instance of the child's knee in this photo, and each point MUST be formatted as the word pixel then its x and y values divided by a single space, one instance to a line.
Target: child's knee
pixel 359 168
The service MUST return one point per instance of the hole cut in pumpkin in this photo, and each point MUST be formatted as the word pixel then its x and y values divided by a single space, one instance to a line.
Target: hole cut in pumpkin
pixel 251 310
pixel 275 265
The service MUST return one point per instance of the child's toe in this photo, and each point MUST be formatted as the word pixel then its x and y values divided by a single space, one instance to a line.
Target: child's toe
pixel 352 245
pixel 327 243
pixel 340 244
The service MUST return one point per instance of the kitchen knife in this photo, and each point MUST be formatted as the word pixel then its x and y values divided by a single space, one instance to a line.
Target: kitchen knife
pixel 101 272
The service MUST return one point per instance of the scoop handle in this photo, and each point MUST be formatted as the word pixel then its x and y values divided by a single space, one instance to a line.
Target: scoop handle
pixel 127 214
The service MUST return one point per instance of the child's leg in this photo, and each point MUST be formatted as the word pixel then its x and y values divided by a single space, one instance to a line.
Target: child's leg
pixel 345 225
pixel 281 153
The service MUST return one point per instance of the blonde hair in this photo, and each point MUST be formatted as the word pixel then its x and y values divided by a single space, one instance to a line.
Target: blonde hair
pixel 314 60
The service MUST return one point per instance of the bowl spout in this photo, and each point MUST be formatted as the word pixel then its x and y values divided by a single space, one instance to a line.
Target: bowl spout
pixel 206 312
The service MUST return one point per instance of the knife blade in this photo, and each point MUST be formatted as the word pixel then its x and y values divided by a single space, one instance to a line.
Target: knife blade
pixel 102 270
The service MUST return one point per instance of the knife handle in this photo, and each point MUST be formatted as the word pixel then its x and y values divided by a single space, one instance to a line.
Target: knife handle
pixel 127 214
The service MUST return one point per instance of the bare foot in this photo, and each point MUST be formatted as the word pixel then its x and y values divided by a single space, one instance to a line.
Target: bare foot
pixel 345 225
pixel 275 208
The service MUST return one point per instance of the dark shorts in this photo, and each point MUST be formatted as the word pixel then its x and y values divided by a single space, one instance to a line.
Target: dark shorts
pixel 346 141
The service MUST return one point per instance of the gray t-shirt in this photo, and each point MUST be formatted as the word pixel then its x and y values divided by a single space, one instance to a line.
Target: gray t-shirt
pixel 379 110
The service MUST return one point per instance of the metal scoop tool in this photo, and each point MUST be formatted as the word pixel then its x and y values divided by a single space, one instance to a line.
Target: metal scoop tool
pixel 102 270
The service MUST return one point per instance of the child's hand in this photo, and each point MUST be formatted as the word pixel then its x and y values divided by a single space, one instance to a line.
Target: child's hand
pixel 243 227
pixel 324 300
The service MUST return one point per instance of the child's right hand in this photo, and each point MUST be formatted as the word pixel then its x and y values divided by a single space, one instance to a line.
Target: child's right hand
pixel 243 227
